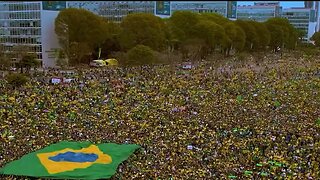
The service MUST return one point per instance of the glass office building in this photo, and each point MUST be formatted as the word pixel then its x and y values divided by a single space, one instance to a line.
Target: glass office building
pixel 303 19
pixel 258 12
pixel 20 24
pixel 219 7
pixel 227 9
pixel 114 10
pixel 315 6
pixel 267 3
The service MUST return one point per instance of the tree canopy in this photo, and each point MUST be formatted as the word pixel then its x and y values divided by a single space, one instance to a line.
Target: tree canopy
pixel 283 34
pixel 237 36
pixel 4 60
pixel 16 80
pixel 140 55
pixel 81 33
pixel 252 40
pixel 82 29
pixel 28 61
pixel 144 29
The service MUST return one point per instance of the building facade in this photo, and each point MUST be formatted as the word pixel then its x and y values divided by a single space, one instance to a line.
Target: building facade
pixel 267 3
pixel 49 39
pixel 258 13
pixel 315 6
pixel 303 19
pixel 20 27
pixel 227 9
pixel 308 4
pixel 114 10
pixel 219 7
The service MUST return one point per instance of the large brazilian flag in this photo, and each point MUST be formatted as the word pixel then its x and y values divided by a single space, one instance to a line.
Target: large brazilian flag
pixel 72 160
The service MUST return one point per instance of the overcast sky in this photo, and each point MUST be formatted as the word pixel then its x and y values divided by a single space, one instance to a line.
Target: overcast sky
pixel 284 4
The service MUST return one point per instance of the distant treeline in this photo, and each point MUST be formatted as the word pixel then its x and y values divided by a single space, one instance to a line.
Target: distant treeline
pixel 81 33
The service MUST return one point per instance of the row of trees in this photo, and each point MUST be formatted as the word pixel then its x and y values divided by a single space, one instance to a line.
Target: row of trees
pixel 192 35
pixel 23 58
pixel 81 33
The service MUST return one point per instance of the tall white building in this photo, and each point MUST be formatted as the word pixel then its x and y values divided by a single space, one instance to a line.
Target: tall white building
pixel 314 5
pixel 258 13
pixel 303 19
pixel 49 39
pixel 20 24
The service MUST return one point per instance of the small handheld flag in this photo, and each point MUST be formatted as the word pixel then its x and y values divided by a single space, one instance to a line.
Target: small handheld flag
pixel 239 98
pixel 318 122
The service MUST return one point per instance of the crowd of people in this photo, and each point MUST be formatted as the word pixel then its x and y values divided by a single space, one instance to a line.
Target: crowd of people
pixel 200 123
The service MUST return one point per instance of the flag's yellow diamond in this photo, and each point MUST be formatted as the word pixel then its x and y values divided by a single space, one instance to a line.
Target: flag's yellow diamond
pixel 54 167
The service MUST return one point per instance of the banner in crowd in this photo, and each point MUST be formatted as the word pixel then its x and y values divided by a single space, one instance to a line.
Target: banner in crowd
pixel 55 80
pixel 72 160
